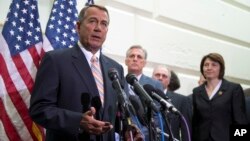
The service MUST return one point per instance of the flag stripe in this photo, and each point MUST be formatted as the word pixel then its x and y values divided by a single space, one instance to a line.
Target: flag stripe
pixel 16 98
pixel 35 56
pixel 16 119
pixel 24 73
pixel 29 62
pixel 8 126
pixel 10 130
pixel 3 134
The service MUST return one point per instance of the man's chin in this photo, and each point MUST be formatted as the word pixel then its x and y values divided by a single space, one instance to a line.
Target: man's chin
pixel 96 46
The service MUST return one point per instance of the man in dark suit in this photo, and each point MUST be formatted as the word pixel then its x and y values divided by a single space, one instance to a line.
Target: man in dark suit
pixel 181 102
pixel 136 57
pixel 72 101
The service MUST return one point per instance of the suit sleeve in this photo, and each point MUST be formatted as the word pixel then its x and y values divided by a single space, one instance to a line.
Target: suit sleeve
pixel 44 108
pixel 239 106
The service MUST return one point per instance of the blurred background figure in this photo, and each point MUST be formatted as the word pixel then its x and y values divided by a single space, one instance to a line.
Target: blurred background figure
pixel 217 103
pixel 201 80
pixel 136 59
pixel 174 82
pixel 181 102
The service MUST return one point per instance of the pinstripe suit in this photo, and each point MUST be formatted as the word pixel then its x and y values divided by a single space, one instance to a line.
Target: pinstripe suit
pixel 64 75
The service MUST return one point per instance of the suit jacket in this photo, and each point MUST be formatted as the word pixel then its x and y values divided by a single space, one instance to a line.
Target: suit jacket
pixel 212 118
pixel 184 105
pixel 64 75
pixel 248 108
pixel 148 80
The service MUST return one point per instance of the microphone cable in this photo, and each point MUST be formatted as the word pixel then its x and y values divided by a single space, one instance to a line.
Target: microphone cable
pixel 186 125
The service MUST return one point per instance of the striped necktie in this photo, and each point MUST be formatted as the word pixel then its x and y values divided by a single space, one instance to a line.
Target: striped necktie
pixel 97 73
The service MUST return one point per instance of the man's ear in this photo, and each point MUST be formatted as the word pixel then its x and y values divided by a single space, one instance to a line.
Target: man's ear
pixel 126 61
pixel 144 63
pixel 78 24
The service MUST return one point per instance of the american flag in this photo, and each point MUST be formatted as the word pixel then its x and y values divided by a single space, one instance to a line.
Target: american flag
pixel 61 27
pixel 20 49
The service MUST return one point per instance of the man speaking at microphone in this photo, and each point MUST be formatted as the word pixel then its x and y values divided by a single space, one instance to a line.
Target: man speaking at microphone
pixel 66 75
pixel 136 59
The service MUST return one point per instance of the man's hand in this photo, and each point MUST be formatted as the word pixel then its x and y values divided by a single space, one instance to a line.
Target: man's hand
pixel 90 125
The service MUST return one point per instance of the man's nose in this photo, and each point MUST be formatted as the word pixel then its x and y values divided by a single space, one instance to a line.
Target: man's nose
pixel 98 27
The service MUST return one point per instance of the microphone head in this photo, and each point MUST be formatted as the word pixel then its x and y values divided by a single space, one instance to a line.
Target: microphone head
pixel 131 78
pixel 162 94
pixel 85 98
pixel 96 102
pixel 149 88
pixel 88 101
pixel 85 101
pixel 113 74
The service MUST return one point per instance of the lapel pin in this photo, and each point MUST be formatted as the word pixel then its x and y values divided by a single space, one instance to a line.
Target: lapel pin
pixel 220 93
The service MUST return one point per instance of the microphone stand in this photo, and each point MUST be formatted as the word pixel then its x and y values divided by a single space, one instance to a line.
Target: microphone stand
pixel 124 120
pixel 164 112
pixel 151 127
pixel 121 119
pixel 165 134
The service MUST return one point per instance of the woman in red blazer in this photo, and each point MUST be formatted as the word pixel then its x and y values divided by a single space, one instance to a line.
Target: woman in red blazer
pixel 217 103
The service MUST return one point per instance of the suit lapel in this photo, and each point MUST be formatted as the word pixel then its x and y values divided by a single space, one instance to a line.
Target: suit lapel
pixel 81 64
pixel 202 91
pixel 105 66
pixel 221 90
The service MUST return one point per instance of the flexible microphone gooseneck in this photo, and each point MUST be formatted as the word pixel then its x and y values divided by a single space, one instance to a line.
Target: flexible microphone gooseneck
pixel 159 96
pixel 124 103
pixel 122 96
pixel 145 98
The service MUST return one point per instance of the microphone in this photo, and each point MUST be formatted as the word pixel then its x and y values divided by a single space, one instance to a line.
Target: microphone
pixel 132 80
pixel 85 101
pixel 159 96
pixel 140 112
pixel 96 102
pixel 123 99
pixel 122 96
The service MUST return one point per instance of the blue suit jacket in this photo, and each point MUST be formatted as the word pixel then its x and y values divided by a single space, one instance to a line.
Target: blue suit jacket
pixel 212 118
pixel 64 75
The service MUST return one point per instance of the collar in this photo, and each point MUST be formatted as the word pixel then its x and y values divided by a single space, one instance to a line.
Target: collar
pixel 88 54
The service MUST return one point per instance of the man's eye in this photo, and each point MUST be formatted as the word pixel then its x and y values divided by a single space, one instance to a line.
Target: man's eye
pixel 105 24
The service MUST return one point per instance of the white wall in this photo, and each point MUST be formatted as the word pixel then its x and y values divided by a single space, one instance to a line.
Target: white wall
pixel 176 33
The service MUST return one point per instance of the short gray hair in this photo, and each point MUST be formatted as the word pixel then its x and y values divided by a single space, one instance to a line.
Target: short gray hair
pixel 137 47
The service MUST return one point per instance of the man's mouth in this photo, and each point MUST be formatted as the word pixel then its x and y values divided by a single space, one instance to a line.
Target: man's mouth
pixel 96 37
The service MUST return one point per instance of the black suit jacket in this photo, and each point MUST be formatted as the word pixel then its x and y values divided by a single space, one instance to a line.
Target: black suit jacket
pixel 64 75
pixel 184 105
pixel 212 118
pixel 248 108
